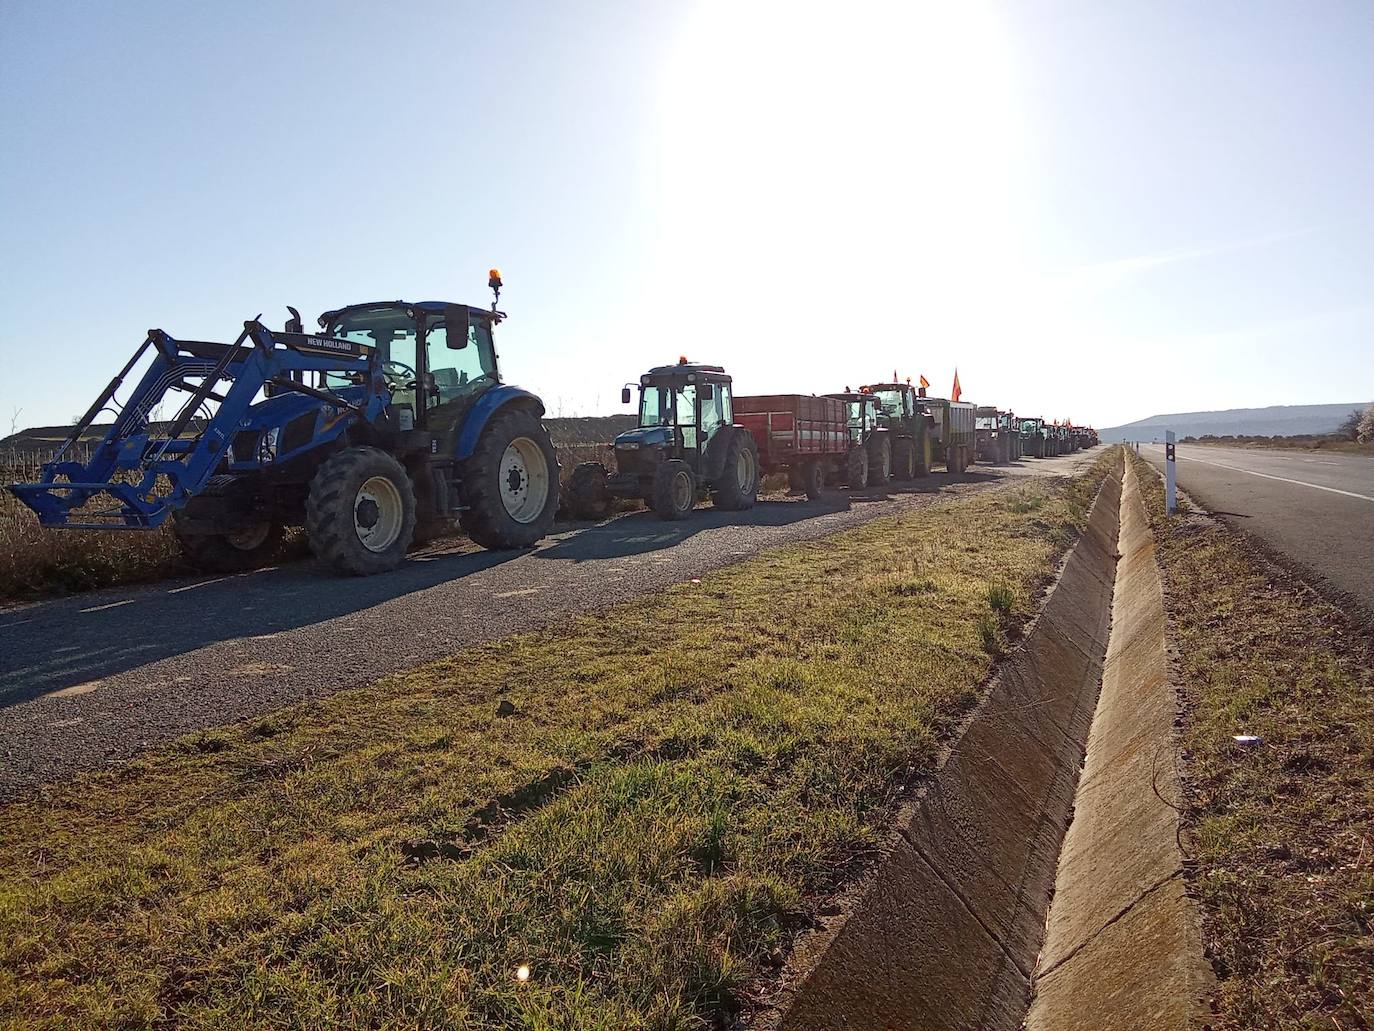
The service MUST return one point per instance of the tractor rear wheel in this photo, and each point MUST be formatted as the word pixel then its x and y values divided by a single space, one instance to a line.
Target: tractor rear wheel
pixel 903 459
pixel 813 479
pixel 856 468
pixel 738 486
pixel 924 457
pixel 510 483
pixel 588 497
pixel 360 512
pixel 251 543
pixel 675 490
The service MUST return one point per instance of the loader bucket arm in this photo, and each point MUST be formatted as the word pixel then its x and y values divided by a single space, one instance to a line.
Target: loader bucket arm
pixel 148 473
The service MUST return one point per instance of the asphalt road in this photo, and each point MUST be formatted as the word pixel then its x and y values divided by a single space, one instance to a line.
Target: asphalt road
pixel 1314 508
pixel 91 680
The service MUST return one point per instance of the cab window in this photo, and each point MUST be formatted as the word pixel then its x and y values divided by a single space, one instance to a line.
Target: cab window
pixel 458 373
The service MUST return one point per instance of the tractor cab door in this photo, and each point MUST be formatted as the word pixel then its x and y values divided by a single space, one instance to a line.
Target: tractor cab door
pixel 685 418
pixel 460 365
pixel 716 419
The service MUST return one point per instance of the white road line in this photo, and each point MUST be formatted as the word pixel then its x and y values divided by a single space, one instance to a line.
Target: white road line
pixel 203 583
pixel 112 605
pixel 1281 479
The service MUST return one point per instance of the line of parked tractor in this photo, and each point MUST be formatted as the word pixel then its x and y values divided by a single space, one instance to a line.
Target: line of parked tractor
pixel 696 437
pixel 392 424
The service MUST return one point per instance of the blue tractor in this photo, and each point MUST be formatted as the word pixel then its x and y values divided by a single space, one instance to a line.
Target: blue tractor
pixel 392 421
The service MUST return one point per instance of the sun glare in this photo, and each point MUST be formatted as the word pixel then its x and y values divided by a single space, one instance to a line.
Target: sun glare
pixel 854 155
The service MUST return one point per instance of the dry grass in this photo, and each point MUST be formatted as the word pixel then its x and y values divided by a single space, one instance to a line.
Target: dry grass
pixel 678 785
pixel 1283 835
pixel 35 561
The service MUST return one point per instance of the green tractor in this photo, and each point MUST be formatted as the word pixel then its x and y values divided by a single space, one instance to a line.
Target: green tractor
pixel 869 460
pixel 686 445
pixel 903 414
pixel 1034 438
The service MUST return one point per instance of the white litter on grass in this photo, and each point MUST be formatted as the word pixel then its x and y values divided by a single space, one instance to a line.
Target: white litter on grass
pixel 522 972
pixel 1248 740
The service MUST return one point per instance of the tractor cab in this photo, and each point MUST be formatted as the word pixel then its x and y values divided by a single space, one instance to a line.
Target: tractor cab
pixel 864 414
pixel 682 408
pixel 435 359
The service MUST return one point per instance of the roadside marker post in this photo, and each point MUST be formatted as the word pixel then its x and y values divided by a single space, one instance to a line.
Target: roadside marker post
pixel 1170 476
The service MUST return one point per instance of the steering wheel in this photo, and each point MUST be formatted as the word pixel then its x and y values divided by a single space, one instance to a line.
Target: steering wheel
pixel 403 380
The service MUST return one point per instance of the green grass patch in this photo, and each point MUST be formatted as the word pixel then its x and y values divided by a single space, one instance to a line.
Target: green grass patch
pixel 1283 835
pixel 675 787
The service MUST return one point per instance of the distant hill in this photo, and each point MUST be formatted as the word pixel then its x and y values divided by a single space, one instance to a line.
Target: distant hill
pixel 1275 421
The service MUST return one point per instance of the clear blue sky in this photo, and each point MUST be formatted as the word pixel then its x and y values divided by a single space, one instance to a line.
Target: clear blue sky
pixel 1097 210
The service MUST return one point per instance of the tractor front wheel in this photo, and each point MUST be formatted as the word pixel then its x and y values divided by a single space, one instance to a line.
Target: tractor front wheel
pixel 738 486
pixel 588 497
pixel 360 512
pixel 856 468
pixel 250 544
pixel 675 490
pixel 903 460
pixel 510 483
pixel 880 460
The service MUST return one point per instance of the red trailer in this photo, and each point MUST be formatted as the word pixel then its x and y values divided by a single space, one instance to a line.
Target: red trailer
pixel 800 434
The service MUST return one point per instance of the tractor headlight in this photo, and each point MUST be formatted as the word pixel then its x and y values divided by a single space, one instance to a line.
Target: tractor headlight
pixel 629 445
pixel 267 450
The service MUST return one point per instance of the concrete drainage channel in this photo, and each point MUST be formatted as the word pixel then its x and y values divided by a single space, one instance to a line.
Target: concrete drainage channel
pixel 956 928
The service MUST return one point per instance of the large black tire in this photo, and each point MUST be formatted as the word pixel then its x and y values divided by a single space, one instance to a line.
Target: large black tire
pixel 924 457
pixel 879 460
pixel 738 486
pixel 511 500
pixel 856 468
pixel 360 512
pixel 588 497
pixel 812 475
pixel 675 490
pixel 903 459
pixel 252 544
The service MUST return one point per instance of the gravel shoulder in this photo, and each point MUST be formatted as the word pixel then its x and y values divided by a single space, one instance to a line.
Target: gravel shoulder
pixel 93 680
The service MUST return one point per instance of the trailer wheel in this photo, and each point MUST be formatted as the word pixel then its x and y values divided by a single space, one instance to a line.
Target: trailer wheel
pixel 738 486
pixel 813 479
pixel 360 512
pixel 903 459
pixel 675 490
pixel 588 497
pixel 510 483
pixel 246 547
pixel 856 468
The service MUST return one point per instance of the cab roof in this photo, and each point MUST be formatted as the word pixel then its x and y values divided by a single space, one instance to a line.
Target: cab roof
pixel 714 373
pixel 431 306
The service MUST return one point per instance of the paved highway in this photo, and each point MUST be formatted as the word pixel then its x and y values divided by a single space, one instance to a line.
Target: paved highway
pixel 93 679
pixel 1315 508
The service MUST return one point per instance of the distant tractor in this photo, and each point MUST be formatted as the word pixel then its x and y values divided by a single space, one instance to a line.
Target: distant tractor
pixel 687 445
pixel 1034 437
pixel 910 426
pixel 1009 427
pixel 986 443
pixel 870 443
pixel 392 418
pixel 953 432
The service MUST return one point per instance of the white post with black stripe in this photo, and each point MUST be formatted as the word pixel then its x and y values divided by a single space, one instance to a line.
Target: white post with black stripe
pixel 1170 475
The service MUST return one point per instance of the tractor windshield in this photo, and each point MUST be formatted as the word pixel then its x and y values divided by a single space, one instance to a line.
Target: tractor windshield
pixel 392 333
pixel 891 401
pixel 859 419
pixel 666 406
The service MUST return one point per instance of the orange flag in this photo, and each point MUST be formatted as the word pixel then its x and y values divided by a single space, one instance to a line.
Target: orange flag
pixel 954 394
pixel 925 383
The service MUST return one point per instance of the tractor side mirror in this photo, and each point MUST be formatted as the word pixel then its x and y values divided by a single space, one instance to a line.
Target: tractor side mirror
pixel 624 395
pixel 457 319
pixel 706 391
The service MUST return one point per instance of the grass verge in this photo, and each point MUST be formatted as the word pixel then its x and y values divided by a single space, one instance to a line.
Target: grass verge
pixel 671 789
pixel 1283 834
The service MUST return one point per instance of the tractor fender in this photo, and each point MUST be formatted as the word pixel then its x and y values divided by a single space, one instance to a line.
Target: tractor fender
pixel 491 402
